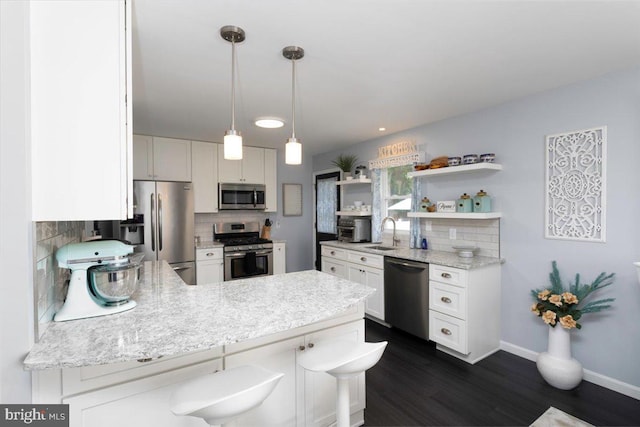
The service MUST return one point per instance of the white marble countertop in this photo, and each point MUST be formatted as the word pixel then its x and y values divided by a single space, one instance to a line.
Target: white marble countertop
pixel 174 318
pixel 449 259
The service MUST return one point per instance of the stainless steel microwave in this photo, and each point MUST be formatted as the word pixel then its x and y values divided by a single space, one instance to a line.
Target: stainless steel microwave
pixel 241 196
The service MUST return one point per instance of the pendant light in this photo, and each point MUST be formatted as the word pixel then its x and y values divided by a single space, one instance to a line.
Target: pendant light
pixel 293 148
pixel 232 137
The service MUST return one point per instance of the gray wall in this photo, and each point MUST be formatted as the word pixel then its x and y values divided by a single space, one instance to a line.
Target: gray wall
pixel 296 230
pixel 609 342
pixel 16 229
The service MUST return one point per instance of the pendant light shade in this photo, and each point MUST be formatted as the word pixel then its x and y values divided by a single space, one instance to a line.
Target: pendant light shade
pixel 293 148
pixel 293 152
pixel 232 137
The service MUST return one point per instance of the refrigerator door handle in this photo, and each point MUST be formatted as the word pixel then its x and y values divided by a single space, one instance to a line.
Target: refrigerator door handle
pixel 159 222
pixel 153 225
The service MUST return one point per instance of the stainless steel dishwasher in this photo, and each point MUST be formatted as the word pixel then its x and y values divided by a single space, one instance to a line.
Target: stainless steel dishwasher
pixel 406 295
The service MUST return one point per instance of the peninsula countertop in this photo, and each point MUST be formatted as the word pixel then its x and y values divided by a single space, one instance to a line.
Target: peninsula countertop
pixel 449 259
pixel 174 318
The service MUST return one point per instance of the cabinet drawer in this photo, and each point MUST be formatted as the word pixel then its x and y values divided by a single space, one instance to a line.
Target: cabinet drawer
pixel 337 268
pixel 207 254
pixel 450 275
pixel 448 331
pixel 448 299
pixel 334 252
pixel 364 258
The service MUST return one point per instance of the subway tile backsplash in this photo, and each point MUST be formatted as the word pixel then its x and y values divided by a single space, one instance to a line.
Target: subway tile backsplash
pixel 484 234
pixel 204 222
pixel 50 280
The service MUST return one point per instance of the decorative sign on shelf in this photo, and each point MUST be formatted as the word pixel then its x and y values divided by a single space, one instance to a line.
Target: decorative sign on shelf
pixel 576 185
pixel 397 154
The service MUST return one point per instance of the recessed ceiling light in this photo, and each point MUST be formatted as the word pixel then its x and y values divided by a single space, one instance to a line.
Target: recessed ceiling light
pixel 382 129
pixel 269 123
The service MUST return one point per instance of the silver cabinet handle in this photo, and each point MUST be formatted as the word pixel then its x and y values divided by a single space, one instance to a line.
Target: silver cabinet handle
pixel 446 275
pixel 363 259
pixel 333 252
pixel 301 348
pixel 210 254
pixel 333 269
pixel 446 300
pixel 445 331
pixel 310 345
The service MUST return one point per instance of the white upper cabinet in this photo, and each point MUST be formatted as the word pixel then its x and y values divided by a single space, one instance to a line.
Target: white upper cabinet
pixel 249 170
pixel 271 180
pixel 80 63
pixel 161 159
pixel 142 157
pixel 204 173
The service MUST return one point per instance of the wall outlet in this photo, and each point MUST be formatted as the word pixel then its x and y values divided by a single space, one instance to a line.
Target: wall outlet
pixel 277 224
pixel 452 234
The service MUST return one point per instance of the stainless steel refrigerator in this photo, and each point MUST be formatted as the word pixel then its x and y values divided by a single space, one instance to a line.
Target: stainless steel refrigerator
pixel 163 225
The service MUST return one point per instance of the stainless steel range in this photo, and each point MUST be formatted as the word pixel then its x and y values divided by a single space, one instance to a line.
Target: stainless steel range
pixel 246 254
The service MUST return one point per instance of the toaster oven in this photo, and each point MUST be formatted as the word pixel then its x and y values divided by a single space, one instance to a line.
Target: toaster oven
pixel 354 230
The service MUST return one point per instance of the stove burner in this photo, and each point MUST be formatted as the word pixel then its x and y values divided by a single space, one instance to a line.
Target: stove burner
pixel 236 241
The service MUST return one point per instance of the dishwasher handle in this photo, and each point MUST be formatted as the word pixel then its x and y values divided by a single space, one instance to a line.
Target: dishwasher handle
pixel 407 266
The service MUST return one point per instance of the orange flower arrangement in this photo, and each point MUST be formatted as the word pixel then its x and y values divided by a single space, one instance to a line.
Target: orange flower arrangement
pixel 556 305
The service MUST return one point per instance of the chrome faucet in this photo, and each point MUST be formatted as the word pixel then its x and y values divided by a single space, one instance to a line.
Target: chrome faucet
pixel 395 241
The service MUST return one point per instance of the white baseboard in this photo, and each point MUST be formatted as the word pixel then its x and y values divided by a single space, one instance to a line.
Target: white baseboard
pixel 593 377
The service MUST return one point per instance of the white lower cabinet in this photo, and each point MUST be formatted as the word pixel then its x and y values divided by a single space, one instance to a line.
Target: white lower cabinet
pixel 209 266
pixel 301 398
pixel 138 393
pixel 143 402
pixel 280 408
pixel 459 321
pixel 360 267
pixel 279 258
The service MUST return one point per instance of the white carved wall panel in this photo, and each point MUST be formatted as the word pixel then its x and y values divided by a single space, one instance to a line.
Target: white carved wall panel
pixel 576 185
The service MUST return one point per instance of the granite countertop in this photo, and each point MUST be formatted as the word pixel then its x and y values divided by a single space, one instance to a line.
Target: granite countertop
pixel 173 318
pixel 449 259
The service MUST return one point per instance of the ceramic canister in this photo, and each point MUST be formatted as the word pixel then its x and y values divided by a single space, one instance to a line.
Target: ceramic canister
pixel 464 203
pixel 482 202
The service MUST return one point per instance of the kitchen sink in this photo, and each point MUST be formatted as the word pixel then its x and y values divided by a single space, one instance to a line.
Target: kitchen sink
pixel 381 248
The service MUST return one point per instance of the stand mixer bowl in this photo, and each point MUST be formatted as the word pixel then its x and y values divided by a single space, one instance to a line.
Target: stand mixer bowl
pixel 114 284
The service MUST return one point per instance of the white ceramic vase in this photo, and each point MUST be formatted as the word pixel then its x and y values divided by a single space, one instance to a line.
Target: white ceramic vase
pixel 556 365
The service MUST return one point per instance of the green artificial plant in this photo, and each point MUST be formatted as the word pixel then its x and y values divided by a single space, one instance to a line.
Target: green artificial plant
pixel 556 304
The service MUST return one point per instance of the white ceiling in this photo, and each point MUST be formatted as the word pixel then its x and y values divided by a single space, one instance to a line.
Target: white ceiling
pixel 368 63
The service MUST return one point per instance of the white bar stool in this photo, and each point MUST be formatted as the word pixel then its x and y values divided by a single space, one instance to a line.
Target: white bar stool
pixel 343 360
pixel 219 397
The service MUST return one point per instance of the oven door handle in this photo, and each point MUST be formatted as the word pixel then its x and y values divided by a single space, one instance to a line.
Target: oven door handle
pixel 242 254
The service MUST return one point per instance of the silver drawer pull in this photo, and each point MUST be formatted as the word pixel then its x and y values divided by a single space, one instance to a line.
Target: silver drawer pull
pixel 333 269
pixel 446 275
pixel 446 300
pixel 363 259
pixel 310 345
pixel 445 331
pixel 333 252
pixel 210 254
pixel 301 348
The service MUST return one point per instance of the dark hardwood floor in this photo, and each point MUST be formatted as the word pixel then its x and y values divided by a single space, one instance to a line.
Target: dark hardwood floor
pixel 416 385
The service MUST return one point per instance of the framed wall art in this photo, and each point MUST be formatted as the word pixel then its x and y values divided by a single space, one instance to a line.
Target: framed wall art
pixel 575 199
pixel 292 199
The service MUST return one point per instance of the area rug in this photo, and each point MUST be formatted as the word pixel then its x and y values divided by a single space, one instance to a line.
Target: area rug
pixel 554 417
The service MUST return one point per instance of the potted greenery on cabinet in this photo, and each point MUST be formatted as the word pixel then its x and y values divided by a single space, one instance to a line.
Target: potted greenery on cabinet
pixel 345 162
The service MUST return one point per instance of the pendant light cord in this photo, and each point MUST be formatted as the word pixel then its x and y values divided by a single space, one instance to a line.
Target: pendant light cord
pixel 293 99
pixel 233 86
